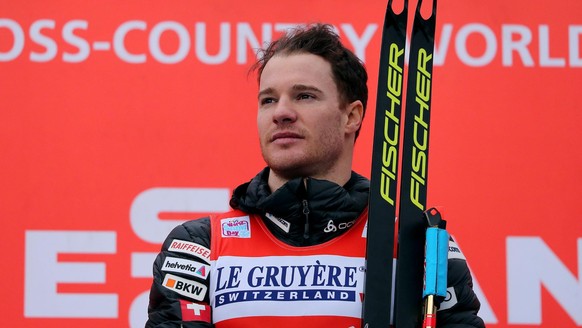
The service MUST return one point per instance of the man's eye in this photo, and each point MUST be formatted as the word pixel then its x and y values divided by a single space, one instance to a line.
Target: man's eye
pixel 305 96
pixel 266 101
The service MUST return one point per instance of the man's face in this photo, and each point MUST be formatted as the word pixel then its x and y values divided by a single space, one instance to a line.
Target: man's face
pixel 300 122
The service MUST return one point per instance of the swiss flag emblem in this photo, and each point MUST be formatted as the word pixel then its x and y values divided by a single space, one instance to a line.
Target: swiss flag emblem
pixel 192 311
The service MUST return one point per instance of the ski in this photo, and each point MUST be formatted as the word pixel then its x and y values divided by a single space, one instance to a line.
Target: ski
pixel 378 286
pixel 413 186
pixel 385 303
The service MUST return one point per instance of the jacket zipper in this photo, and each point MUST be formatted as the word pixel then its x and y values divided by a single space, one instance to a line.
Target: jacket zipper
pixel 306 213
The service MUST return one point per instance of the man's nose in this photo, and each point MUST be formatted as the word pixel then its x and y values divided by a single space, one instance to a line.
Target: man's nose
pixel 285 111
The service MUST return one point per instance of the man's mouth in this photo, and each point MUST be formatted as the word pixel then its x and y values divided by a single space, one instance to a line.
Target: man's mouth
pixel 285 135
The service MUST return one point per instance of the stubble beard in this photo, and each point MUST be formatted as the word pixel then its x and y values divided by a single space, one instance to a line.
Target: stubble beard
pixel 314 161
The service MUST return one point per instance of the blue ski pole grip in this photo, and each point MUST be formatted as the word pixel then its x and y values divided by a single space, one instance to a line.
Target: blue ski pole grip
pixel 443 254
pixel 436 261
pixel 431 262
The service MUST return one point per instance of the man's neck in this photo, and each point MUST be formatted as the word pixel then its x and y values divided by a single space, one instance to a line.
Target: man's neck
pixel 276 181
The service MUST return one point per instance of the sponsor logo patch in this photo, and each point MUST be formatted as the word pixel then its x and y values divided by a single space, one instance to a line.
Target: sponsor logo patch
pixel 191 268
pixel 283 224
pixel 450 300
pixel 301 285
pixel 455 251
pixel 332 227
pixel 188 288
pixel 187 247
pixel 239 227
pixel 192 311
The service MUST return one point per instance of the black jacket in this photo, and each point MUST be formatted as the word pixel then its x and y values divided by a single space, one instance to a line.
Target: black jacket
pixel 308 205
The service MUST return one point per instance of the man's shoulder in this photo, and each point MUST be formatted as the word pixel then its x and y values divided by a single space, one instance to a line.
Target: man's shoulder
pixel 197 231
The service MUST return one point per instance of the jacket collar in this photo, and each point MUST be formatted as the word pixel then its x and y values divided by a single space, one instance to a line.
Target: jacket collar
pixel 304 211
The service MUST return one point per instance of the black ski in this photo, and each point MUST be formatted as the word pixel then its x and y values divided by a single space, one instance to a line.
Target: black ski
pixel 385 175
pixel 413 187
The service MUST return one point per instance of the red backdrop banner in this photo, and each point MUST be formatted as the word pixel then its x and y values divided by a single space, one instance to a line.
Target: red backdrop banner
pixel 119 119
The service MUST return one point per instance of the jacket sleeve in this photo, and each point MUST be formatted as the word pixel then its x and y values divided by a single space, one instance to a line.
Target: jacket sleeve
pixel 169 307
pixel 460 308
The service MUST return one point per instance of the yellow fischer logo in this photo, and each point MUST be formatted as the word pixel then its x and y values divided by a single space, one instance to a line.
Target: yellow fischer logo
pixel 420 135
pixel 391 124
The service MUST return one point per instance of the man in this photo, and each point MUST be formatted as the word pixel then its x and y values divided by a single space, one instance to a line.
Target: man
pixel 291 253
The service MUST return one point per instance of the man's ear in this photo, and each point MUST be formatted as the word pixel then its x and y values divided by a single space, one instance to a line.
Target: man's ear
pixel 355 115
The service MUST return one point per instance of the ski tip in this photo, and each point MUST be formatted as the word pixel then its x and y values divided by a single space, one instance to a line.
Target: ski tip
pixel 399 8
pixel 425 10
